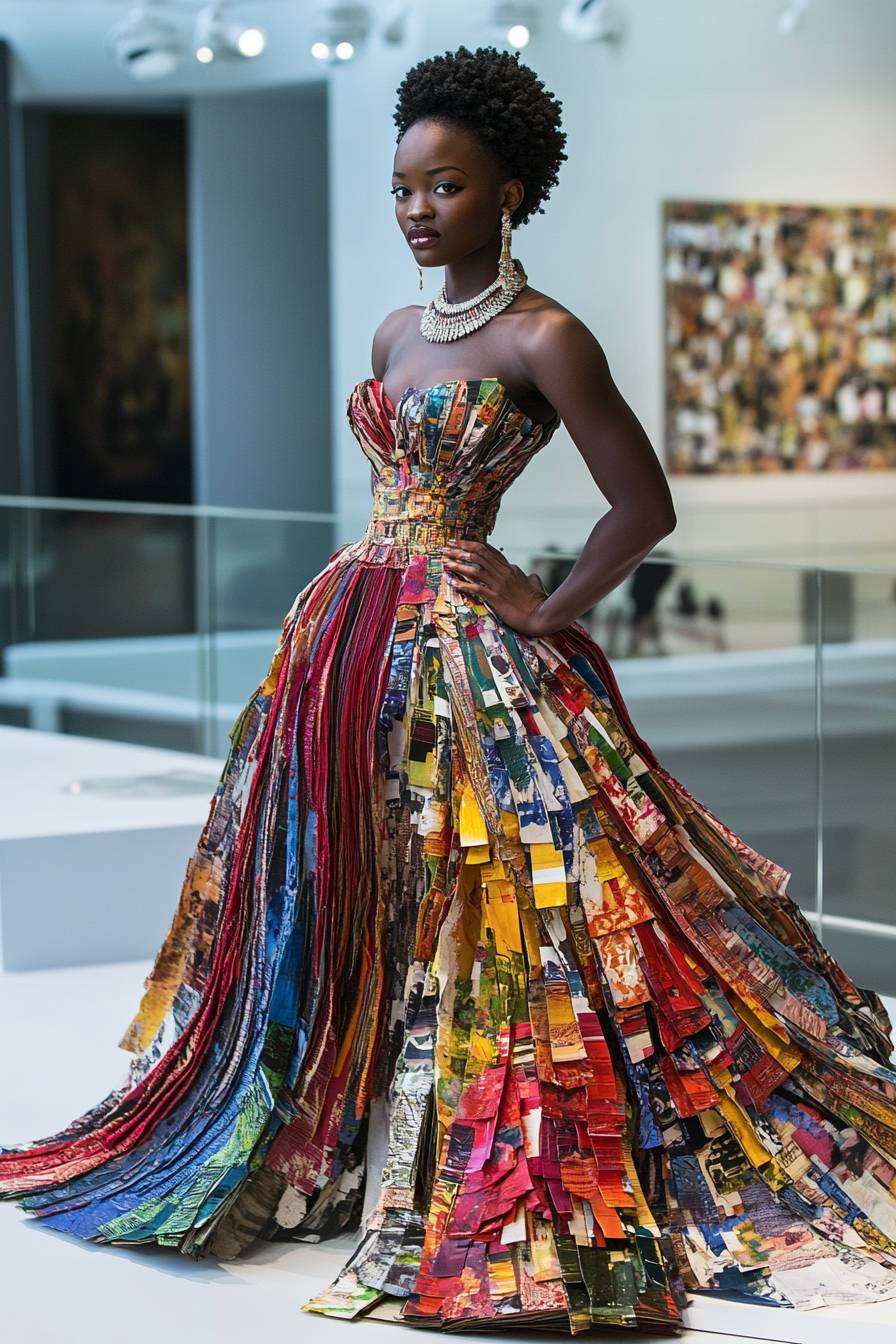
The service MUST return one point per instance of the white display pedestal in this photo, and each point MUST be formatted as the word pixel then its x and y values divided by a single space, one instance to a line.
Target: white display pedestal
pixel 93 875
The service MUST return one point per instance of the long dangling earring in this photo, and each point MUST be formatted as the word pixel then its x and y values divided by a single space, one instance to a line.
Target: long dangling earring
pixel 444 321
pixel 420 273
pixel 505 265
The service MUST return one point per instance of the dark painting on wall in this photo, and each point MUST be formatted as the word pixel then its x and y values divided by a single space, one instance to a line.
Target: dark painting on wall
pixel 118 314
pixel 780 337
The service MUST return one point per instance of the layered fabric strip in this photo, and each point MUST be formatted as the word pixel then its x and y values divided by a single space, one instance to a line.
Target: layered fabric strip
pixel 447 890
pixel 250 1075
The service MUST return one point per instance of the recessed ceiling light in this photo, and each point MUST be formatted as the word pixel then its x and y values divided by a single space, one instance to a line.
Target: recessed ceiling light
pixel 512 23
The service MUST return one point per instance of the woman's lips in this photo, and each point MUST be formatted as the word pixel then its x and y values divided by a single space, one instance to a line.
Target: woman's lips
pixel 423 239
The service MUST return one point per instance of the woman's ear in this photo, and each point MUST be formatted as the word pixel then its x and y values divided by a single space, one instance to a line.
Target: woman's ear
pixel 513 195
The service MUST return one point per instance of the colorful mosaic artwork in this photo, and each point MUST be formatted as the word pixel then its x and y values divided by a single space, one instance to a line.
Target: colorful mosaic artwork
pixel 443 880
pixel 780 337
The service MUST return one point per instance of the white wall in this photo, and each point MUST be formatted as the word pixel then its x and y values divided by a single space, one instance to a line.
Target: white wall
pixel 705 99
pixel 260 298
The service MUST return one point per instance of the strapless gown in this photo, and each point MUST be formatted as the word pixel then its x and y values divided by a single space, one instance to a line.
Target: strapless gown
pixel 446 897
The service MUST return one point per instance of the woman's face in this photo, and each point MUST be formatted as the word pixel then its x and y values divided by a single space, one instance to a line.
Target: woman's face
pixel 449 192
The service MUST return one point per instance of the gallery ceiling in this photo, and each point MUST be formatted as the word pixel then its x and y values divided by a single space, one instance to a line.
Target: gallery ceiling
pixel 61 50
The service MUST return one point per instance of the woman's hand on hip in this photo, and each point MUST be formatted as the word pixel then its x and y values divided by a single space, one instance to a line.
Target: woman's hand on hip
pixel 479 570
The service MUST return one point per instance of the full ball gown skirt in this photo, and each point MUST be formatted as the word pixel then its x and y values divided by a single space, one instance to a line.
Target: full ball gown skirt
pixel 444 879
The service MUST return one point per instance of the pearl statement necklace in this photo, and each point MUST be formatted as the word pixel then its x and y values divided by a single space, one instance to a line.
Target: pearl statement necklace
pixel 444 321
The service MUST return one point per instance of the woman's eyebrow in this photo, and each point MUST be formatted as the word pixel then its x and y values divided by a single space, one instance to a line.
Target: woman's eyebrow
pixel 443 168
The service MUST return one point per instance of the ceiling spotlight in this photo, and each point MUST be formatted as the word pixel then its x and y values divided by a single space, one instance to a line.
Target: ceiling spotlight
pixel 145 44
pixel 339 30
pixel 215 34
pixel 513 22
pixel 790 17
pixel 593 21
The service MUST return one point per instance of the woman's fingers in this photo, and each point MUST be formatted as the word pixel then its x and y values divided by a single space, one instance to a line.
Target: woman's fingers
pixel 476 557
pixel 478 577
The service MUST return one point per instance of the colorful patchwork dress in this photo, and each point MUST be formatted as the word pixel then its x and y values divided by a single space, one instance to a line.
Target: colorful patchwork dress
pixel 447 897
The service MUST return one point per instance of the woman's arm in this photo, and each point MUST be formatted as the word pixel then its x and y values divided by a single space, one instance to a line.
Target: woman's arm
pixel 569 367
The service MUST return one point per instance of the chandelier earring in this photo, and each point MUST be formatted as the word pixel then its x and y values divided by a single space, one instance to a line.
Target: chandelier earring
pixel 505 265
pixel 420 275
pixel 444 321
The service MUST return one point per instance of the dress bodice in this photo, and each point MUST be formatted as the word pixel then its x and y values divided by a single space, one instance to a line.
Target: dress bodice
pixel 442 458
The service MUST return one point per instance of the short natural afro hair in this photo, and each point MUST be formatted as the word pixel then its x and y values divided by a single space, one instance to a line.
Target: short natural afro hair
pixel 503 102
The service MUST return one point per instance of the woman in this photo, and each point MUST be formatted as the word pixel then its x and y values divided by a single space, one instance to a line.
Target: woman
pixel 448 908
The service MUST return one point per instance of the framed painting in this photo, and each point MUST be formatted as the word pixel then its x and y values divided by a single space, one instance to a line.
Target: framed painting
pixel 780 337
pixel 119 306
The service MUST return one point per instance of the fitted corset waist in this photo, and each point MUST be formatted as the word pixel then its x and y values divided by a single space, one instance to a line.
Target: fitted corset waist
pixel 423 519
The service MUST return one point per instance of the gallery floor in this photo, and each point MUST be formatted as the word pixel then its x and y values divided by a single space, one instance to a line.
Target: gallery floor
pixel 58 1056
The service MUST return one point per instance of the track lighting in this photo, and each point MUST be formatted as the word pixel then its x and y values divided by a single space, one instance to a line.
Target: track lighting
pixel 512 22
pixel 144 44
pixel 149 46
pixel 593 21
pixel 393 30
pixel 339 31
pixel 217 35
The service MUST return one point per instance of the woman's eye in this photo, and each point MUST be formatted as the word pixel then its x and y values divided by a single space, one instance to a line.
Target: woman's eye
pixel 402 192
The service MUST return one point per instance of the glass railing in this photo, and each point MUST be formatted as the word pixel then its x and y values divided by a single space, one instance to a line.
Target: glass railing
pixel 768 689
pixel 142 623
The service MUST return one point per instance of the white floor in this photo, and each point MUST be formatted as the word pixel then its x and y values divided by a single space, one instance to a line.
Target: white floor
pixel 58 1055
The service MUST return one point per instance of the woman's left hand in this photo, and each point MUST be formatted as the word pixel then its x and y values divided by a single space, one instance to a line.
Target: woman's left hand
pixel 478 570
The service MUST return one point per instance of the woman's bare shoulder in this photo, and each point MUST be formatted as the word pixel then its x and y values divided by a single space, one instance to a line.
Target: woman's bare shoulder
pixel 390 332
pixel 548 329
pixel 399 316
pixel 542 310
